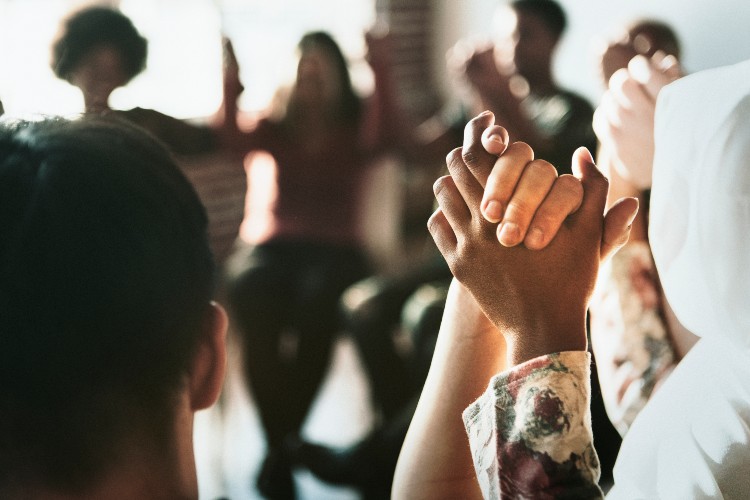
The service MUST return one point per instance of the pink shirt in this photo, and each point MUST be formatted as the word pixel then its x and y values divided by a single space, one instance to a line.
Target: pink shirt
pixel 294 193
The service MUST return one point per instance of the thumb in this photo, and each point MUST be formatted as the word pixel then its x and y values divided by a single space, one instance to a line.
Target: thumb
pixel 595 187
pixel 617 224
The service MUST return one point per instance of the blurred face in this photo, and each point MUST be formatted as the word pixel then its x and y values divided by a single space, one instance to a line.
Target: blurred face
pixel 98 74
pixel 318 80
pixel 524 43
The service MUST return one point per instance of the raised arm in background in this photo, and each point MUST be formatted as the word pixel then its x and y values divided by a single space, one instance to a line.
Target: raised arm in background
pixel 635 337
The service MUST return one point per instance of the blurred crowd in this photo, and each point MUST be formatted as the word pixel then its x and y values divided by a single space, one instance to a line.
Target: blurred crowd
pixel 284 193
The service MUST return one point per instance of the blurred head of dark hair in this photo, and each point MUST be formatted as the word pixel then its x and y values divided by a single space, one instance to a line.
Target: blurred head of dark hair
pixel 94 27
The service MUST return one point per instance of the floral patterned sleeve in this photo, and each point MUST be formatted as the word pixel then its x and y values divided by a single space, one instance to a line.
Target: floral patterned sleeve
pixel 629 336
pixel 530 432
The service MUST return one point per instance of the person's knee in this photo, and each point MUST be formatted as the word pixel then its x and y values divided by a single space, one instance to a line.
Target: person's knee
pixel 362 302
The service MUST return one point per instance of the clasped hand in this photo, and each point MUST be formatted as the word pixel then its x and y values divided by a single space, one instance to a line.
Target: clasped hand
pixel 524 242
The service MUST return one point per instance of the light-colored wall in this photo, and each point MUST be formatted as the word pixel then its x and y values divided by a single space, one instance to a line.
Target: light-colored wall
pixel 713 33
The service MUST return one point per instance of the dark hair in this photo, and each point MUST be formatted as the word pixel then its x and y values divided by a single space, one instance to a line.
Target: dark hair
pixel 350 104
pixel 548 11
pixel 660 36
pixel 94 27
pixel 105 281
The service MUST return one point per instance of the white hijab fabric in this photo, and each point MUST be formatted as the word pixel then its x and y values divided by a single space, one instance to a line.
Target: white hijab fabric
pixel 692 440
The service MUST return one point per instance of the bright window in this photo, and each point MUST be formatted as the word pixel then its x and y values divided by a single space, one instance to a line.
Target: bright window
pixel 183 75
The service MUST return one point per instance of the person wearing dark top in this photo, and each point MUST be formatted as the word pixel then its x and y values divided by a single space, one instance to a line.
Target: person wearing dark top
pixel 98 50
pixel 513 78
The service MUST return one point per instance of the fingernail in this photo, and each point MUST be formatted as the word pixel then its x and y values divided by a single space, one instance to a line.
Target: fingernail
pixel 586 154
pixel 535 237
pixel 497 138
pixel 508 234
pixel 633 215
pixel 485 112
pixel 493 212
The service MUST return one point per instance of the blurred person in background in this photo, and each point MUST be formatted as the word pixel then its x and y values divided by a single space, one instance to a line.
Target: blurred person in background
pixel 635 335
pixel 513 78
pixel 300 243
pixel 98 49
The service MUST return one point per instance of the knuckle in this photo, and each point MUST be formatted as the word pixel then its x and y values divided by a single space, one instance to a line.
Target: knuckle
pixel 454 157
pixel 470 157
pixel 618 239
pixel 462 257
pixel 547 220
pixel 458 270
pixel 432 222
pixel 604 181
pixel 440 184
pixel 518 212
pixel 476 122
pixel 522 149
pixel 570 184
pixel 542 168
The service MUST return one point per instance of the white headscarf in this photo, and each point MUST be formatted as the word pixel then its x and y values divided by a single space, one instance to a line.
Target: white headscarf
pixel 693 438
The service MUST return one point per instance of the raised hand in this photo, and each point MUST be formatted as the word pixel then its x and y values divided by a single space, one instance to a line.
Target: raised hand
pixel 531 199
pixel 232 84
pixel 624 121
pixel 536 298
pixel 379 44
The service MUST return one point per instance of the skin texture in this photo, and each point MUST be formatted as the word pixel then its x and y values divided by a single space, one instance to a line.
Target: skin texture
pixel 505 281
pixel 504 300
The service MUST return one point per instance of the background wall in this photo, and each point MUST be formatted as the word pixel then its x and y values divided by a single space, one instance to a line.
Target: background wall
pixel 713 33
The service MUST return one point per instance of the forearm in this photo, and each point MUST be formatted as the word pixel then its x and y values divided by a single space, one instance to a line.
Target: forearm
pixel 435 460
pixel 385 124
pixel 629 336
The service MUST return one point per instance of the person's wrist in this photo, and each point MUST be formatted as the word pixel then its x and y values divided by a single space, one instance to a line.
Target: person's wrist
pixel 542 340
pixel 474 324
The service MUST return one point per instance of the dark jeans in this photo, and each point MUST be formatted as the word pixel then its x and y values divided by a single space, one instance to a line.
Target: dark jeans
pixel 376 313
pixel 284 301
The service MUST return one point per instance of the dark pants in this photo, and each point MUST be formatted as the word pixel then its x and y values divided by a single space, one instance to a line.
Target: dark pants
pixel 284 300
pixel 374 314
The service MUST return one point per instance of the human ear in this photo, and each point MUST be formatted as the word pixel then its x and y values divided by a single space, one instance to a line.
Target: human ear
pixel 210 360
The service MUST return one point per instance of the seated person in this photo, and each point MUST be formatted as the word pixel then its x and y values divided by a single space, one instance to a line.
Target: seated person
pixel 530 431
pixel 514 78
pixel 394 324
pixel 111 341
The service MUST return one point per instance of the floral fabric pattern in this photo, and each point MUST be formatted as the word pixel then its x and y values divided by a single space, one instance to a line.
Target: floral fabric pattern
pixel 530 432
pixel 629 336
